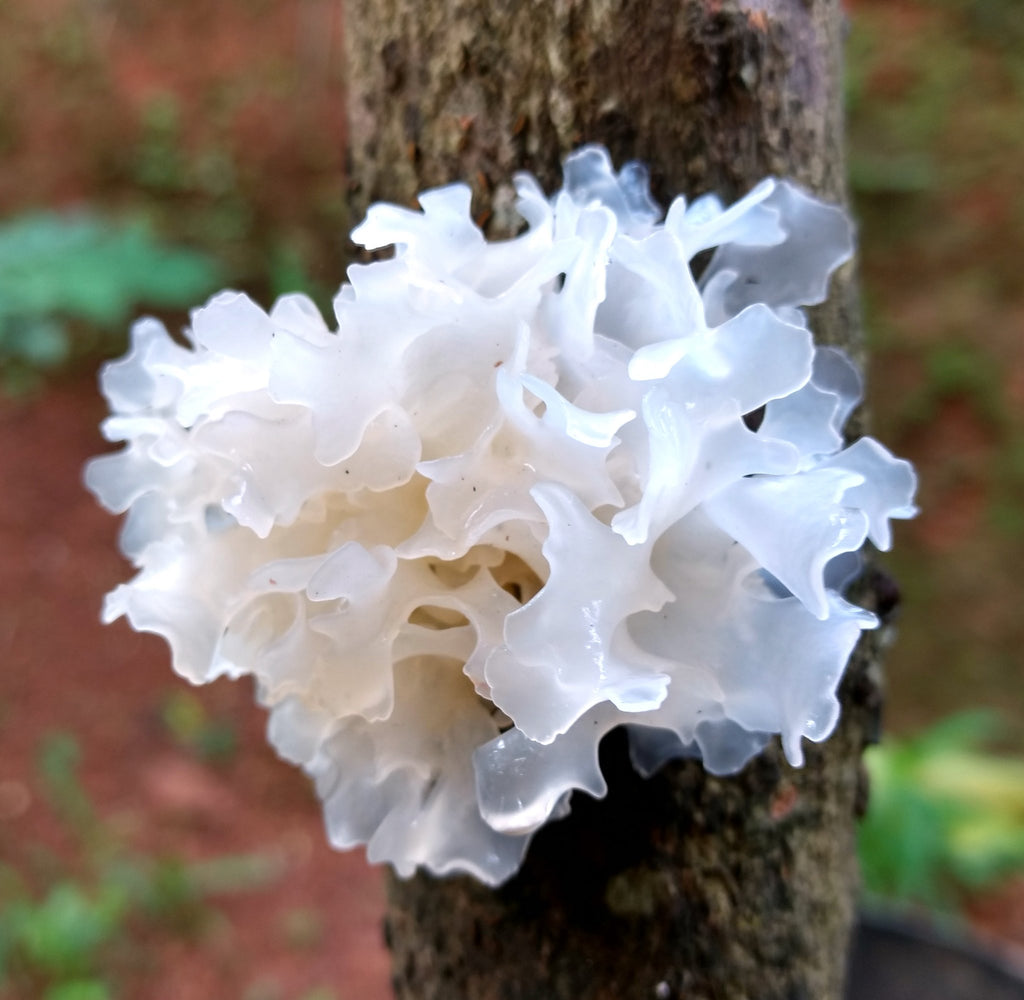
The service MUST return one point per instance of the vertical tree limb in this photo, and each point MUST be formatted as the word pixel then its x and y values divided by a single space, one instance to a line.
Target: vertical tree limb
pixel 682 885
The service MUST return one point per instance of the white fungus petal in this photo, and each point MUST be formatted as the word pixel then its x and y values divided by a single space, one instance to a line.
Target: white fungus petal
pixel 523 494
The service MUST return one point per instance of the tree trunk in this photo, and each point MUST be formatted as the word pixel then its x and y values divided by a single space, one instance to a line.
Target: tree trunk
pixel 682 885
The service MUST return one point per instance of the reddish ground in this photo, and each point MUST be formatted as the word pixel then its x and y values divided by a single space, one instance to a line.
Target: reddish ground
pixel 314 922
pixel 224 123
pixel 317 921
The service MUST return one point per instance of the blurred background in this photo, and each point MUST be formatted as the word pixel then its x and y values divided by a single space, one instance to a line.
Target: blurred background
pixel 150 845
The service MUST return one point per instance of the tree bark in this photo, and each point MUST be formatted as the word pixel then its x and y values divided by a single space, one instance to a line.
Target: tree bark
pixel 683 885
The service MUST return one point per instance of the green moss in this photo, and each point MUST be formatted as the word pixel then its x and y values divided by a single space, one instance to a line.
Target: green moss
pixel 639 893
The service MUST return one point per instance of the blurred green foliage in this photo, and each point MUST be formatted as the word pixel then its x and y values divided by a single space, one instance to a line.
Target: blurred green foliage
pixel 70 929
pixel 190 725
pixel 945 817
pixel 57 763
pixel 62 270
pixel 935 92
pixel 271 989
pixel 956 370
pixel 159 158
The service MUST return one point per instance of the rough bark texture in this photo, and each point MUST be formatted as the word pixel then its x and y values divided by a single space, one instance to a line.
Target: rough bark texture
pixel 683 885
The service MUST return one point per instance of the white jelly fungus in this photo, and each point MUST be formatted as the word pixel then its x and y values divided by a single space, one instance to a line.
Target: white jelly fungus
pixel 510 504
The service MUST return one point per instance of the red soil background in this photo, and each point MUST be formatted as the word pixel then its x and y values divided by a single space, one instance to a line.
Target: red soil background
pixel 247 160
pixel 63 671
pixel 225 124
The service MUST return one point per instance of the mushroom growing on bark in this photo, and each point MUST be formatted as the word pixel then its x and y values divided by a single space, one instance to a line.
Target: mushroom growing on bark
pixel 528 491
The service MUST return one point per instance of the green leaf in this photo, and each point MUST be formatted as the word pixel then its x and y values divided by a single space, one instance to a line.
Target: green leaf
pixel 944 816
pixel 79 989
pixel 187 720
pixel 87 268
pixel 61 936
pixel 57 761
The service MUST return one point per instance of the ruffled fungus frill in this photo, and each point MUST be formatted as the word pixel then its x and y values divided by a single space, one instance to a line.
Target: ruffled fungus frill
pixel 515 500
